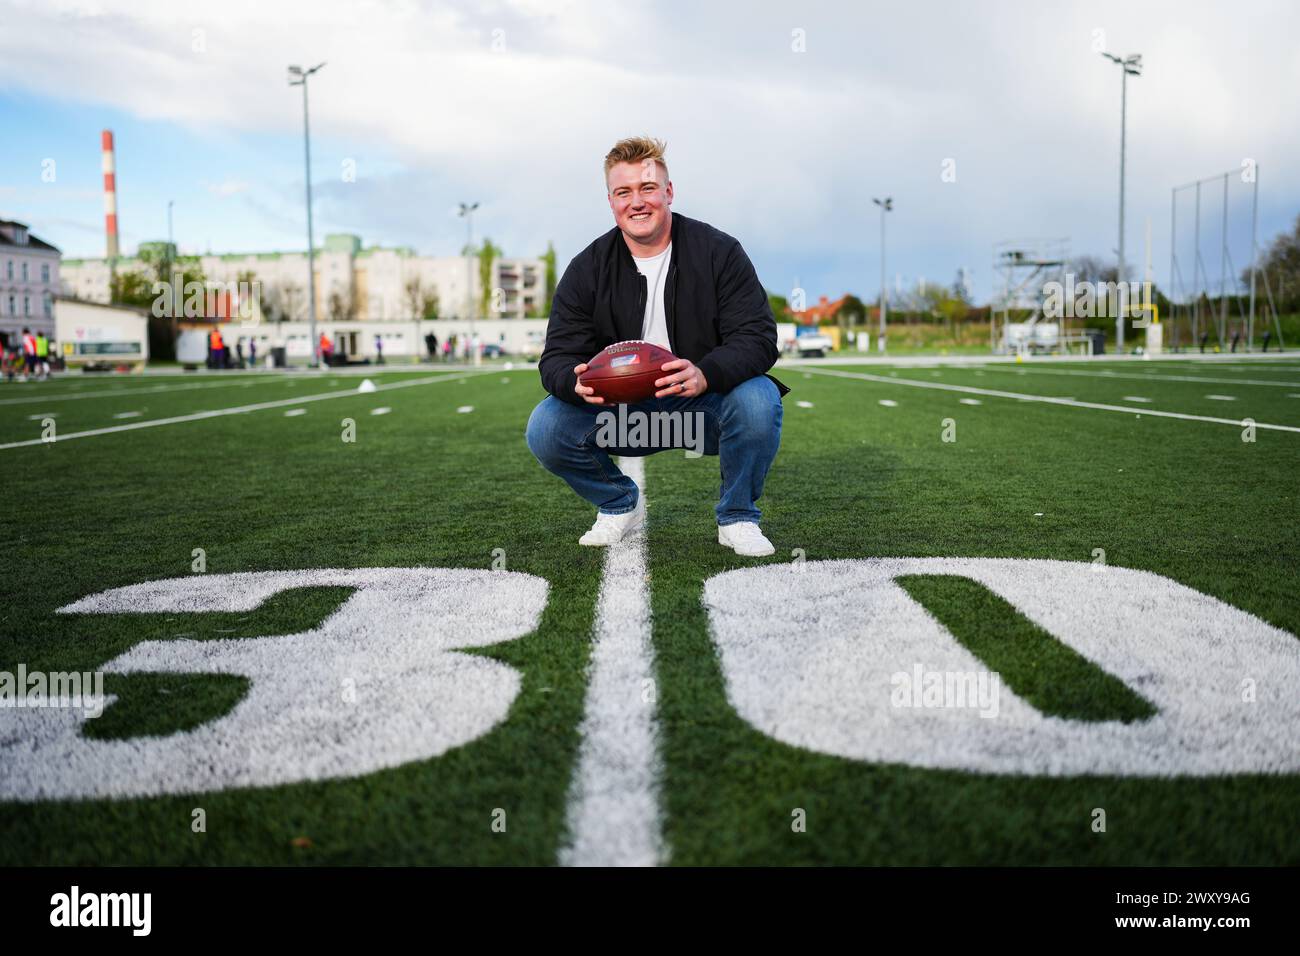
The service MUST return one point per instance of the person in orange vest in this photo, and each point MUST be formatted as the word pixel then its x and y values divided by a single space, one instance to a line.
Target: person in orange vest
pixel 326 349
pixel 216 349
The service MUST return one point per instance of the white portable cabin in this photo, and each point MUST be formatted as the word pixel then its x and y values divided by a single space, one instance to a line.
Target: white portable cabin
pixel 87 333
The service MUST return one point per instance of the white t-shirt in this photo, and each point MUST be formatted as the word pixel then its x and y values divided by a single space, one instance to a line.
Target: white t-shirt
pixel 654 326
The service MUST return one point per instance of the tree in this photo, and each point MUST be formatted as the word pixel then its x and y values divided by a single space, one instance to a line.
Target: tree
pixel 850 313
pixel 429 304
pixel 780 307
pixel 285 299
pixel 414 290
pixel 135 287
pixel 934 303
pixel 1092 269
pixel 549 258
pixel 1281 265
pixel 342 304
pixel 131 288
pixel 487 255
pixel 272 304
pixel 250 309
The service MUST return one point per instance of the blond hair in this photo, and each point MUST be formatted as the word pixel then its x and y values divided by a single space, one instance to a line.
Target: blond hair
pixel 636 149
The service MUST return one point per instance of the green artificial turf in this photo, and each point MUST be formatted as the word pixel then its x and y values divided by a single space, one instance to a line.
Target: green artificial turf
pixel 1056 679
pixel 426 485
pixel 422 485
pixel 1188 500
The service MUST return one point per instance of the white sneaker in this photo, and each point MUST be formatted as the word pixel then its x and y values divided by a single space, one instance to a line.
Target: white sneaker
pixel 611 529
pixel 745 538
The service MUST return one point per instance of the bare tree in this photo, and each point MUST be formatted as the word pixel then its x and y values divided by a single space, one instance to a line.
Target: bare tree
pixel 414 290
pixel 1092 269
pixel 1282 264
pixel 342 304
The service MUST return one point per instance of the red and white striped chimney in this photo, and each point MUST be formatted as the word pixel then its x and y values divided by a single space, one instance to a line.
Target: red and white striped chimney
pixel 110 194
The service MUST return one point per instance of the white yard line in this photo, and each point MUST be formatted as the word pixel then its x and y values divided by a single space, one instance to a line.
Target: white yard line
pixel 613 812
pixel 983 360
pixel 1247 367
pixel 1047 400
pixel 1146 378
pixel 238 410
pixel 119 392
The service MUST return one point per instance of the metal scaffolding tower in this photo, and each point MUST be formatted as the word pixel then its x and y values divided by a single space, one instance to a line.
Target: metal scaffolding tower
pixel 1023 268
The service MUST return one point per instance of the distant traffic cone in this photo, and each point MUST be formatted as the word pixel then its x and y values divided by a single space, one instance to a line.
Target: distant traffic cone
pixel 366 386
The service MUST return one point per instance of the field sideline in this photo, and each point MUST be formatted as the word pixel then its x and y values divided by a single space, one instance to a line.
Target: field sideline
pixel 1181 469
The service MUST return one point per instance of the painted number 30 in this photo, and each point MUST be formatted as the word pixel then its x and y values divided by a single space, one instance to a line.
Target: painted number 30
pixel 391 646
pixel 807 659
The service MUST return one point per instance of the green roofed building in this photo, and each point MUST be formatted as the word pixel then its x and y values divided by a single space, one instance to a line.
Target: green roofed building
pixel 381 283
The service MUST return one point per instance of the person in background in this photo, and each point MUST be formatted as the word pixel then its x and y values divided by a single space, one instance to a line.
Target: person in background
pixel 239 353
pixel 379 348
pixel 42 355
pixel 29 353
pixel 217 347
pixel 326 349
pixel 252 352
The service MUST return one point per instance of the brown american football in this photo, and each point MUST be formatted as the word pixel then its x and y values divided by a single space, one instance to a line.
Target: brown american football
pixel 626 372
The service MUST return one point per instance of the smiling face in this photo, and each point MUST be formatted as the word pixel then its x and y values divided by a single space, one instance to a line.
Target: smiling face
pixel 639 195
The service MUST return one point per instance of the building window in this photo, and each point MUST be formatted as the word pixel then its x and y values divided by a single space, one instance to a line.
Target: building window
pixel 12 306
pixel 24 272
pixel 9 272
pixel 45 273
pixel 49 306
pixel 27 305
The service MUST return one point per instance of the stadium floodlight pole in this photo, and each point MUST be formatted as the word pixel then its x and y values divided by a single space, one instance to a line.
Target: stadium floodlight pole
pixel 298 77
pixel 885 205
pixel 467 213
pixel 1130 65
pixel 1254 252
pixel 171 271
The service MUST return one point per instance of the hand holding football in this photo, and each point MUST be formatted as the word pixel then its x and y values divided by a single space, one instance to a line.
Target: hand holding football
pixel 625 372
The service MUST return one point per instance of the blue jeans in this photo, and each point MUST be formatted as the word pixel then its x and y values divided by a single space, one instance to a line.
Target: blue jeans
pixel 742 427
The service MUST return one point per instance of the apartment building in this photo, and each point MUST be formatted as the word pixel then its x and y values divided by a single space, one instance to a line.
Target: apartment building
pixel 29 280
pixel 388 283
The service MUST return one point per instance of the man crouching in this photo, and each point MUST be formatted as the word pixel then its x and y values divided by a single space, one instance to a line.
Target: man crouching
pixel 685 286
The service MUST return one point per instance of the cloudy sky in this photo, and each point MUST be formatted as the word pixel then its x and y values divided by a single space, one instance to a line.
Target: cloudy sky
pixel 783 120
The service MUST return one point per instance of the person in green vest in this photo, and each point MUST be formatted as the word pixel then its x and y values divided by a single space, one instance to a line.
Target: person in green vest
pixel 42 355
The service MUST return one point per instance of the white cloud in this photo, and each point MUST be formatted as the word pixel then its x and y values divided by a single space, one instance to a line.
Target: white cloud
pixel 227 187
pixel 782 149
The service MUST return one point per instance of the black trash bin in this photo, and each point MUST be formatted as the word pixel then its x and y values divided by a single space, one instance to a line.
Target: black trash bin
pixel 1098 343
pixel 277 356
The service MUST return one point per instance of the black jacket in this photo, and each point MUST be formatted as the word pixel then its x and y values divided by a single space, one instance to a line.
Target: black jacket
pixel 717 310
